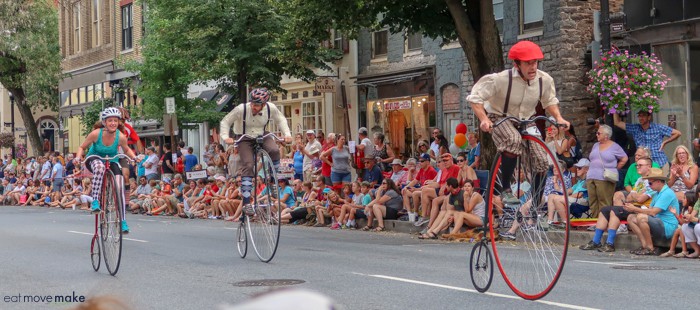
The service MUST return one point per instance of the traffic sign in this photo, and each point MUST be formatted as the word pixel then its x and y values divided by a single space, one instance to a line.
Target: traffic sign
pixel 170 105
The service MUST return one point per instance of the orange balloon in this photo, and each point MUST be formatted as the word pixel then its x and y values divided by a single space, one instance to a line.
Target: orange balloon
pixel 460 139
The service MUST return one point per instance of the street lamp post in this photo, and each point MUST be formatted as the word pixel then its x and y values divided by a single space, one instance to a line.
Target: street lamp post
pixel 12 116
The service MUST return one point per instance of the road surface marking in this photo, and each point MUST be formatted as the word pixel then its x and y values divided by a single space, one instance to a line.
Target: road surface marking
pixel 551 303
pixel 91 234
pixel 625 264
pixel 142 220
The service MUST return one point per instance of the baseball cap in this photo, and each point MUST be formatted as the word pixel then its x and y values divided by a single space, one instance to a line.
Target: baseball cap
pixel 397 162
pixel 582 163
pixel 425 156
pixel 310 132
pixel 220 178
pixel 362 130
pixel 166 180
pixel 326 190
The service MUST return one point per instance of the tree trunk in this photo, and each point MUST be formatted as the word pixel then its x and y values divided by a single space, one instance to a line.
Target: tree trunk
pixel 28 119
pixel 242 85
pixel 475 23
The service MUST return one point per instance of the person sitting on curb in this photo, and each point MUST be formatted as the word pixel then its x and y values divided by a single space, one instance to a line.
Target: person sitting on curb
pixel 658 220
pixel 434 193
pixel 576 194
pixel 639 197
pixel 412 191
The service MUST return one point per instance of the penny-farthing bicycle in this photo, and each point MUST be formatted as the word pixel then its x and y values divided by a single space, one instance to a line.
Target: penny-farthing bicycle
pixel 260 221
pixel 532 263
pixel 107 240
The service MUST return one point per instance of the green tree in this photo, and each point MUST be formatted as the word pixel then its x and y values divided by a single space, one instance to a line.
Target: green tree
pixel 30 59
pixel 470 22
pixel 235 43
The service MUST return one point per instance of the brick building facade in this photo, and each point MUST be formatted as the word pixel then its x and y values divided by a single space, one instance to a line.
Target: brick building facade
pixel 94 36
pixel 563 28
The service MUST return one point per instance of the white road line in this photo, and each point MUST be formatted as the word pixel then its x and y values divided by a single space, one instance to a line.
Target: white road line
pixel 625 264
pixel 231 228
pixel 142 220
pixel 90 234
pixel 551 303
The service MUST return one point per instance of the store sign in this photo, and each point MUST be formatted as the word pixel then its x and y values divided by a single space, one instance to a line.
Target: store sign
pixel 325 85
pixel 397 105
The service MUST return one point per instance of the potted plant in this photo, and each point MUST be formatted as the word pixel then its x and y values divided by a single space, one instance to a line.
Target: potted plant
pixel 625 82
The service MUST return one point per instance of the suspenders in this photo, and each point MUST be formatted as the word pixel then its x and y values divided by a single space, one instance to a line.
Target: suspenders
pixel 510 84
pixel 267 105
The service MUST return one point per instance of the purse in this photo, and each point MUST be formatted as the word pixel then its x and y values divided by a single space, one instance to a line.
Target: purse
pixel 610 175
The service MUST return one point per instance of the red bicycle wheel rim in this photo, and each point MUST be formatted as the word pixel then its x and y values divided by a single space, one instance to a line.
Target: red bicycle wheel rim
pixel 494 233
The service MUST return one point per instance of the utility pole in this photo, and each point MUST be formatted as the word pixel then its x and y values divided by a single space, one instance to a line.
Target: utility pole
pixel 605 27
pixel 12 116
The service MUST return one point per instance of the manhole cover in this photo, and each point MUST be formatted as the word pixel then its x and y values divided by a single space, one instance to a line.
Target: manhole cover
pixel 268 282
pixel 643 268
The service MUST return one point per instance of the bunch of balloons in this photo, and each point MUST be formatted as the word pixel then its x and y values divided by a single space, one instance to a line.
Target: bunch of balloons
pixel 460 139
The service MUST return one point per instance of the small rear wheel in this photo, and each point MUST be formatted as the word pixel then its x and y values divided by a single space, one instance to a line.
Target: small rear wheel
pixel 242 240
pixel 95 254
pixel 481 267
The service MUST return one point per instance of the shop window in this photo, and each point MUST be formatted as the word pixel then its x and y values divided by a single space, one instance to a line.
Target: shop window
pixel 287 111
pixel 531 14
pixel 90 93
pixel 414 41
pixel 380 42
pixel 65 98
pixel 498 14
pixel 99 92
pixel 311 115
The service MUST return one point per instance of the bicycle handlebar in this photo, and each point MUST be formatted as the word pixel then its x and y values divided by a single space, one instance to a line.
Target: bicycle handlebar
pixel 107 157
pixel 254 137
pixel 525 122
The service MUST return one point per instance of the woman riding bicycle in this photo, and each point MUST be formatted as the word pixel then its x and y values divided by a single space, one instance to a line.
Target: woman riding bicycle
pixel 516 92
pixel 104 142
pixel 251 119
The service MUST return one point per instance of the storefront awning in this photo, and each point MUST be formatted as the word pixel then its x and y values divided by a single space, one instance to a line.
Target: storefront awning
pixel 391 77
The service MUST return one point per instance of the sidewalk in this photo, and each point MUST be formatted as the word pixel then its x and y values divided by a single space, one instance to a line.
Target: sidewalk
pixel 623 242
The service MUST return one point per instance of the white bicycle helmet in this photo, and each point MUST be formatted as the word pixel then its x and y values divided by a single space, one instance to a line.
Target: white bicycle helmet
pixel 110 112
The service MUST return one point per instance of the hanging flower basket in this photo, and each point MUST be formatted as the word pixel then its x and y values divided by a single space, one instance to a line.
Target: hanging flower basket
pixel 627 82
pixel 7 139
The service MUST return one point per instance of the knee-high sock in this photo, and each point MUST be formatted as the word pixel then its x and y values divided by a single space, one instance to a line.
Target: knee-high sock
pixel 246 189
pixel 98 176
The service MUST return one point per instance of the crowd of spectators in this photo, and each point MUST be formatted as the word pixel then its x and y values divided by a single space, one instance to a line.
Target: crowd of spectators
pixel 335 184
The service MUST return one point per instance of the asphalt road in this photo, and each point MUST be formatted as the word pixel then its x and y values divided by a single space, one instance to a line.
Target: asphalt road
pixel 170 263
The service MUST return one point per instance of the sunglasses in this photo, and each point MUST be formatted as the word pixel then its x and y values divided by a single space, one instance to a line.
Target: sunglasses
pixel 460 160
pixel 444 160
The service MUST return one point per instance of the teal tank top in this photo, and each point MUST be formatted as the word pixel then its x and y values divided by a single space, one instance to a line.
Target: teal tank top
pixel 98 148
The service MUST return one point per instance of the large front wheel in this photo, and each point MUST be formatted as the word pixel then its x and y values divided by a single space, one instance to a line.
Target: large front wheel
pixel 264 225
pixel 530 254
pixel 110 225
